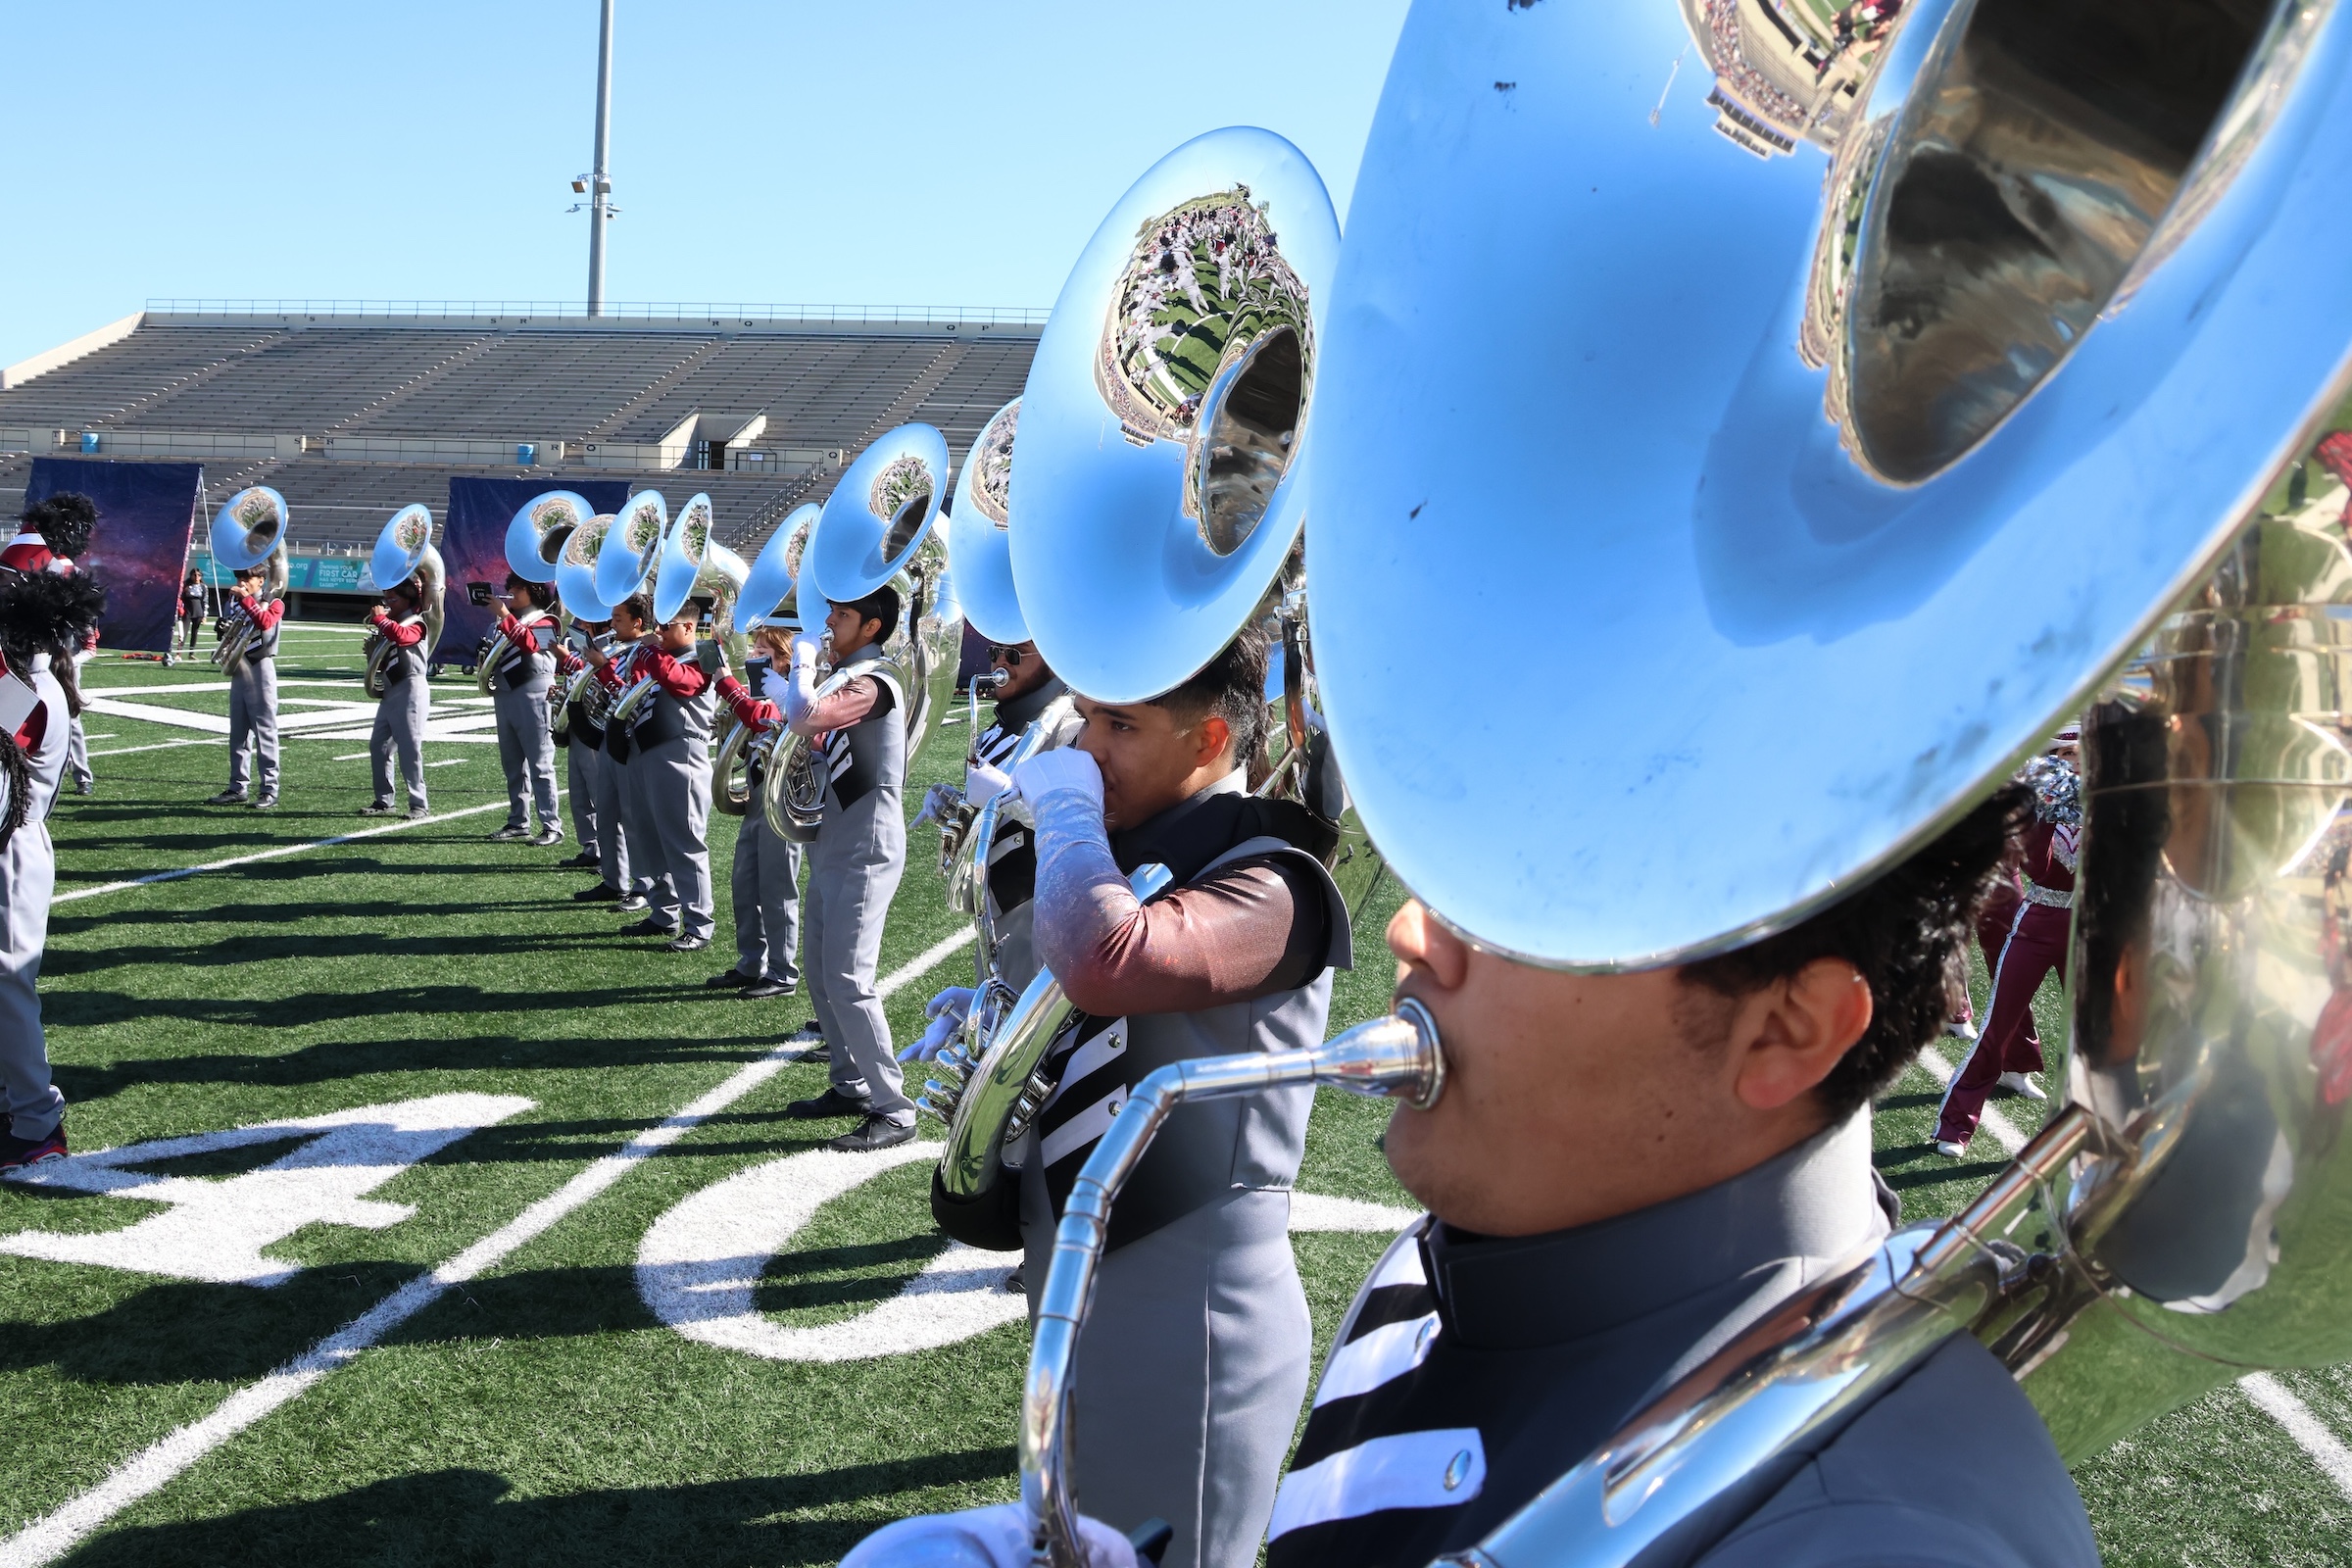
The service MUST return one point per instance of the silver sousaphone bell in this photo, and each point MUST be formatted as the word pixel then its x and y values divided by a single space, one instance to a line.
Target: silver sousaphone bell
pixel 539 531
pixel 1162 415
pixel 249 529
pixel 770 598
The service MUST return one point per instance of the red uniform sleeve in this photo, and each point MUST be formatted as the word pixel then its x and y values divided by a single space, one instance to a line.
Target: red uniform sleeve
pixel 408 636
pixel 263 615
pixel 756 713
pixel 539 634
pixel 567 661
pixel 1248 930
pixel 680 679
pixel 35 727
pixel 608 674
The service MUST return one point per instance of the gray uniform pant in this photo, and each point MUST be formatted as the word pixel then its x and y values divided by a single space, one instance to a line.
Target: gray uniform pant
pixel 253 723
pixel 400 727
pixel 668 792
pixel 28 875
pixel 1190 1372
pixel 841 946
pixel 618 841
pixel 766 888
pixel 528 752
pixel 78 756
pixel 579 765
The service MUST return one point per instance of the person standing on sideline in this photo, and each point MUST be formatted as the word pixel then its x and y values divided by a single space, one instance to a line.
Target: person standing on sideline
pixel 43 616
pixel 854 865
pixel 664 752
pixel 399 715
pixel 253 697
pixel 766 883
pixel 191 607
pixel 53 534
pixel 526 748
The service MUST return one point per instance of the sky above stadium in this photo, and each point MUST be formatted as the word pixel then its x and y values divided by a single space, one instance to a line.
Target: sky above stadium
pixel 924 152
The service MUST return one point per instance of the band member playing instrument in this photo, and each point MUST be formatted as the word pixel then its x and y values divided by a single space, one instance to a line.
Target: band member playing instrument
pixel 593 817
pixel 854 865
pixel 400 716
pixel 2023 932
pixel 43 616
pixel 663 755
pixel 1624 1171
pixel 766 883
pixel 253 697
pixel 191 607
pixel 1236 957
pixel 526 666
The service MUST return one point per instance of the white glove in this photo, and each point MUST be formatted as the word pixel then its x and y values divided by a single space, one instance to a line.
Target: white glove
pixel 1064 768
pixel 939 805
pixel 983 784
pixel 978 1537
pixel 946 1013
pixel 807 646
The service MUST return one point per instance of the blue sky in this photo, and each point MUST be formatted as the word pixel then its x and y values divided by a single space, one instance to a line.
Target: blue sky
pixel 884 151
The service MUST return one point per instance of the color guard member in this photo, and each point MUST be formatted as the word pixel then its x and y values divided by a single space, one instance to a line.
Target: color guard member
pixel 663 759
pixel 400 716
pixel 526 748
pixel 43 616
pixel 53 534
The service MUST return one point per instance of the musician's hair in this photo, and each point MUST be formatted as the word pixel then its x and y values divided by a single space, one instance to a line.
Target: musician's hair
pixel 641 605
pixel 1233 687
pixel 409 588
pixel 64 522
pixel 46 613
pixel 881 605
pixel 1905 933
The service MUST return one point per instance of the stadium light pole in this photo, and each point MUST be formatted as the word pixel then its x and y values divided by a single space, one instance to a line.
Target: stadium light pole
pixel 599 177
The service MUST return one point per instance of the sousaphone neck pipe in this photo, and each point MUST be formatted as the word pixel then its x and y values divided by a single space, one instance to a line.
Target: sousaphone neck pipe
pixel 1399 1057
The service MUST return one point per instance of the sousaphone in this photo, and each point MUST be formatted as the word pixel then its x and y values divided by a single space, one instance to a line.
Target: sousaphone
pixel 249 529
pixel 770 598
pixel 404 549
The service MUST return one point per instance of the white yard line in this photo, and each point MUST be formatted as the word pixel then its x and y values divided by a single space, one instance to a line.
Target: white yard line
pixel 163 746
pixel 281 852
pixel 2270 1396
pixel 50 1538
pixel 2003 1130
pixel 2326 1449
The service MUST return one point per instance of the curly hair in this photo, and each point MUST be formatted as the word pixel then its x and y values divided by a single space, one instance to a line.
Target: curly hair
pixel 1905 933
pixel 64 522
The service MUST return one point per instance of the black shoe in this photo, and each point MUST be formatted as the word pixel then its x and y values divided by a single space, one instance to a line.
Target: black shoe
pixel 267 802
pixel 510 833
pixel 23 1154
pixel 585 861
pixel 418 813
pixel 875 1132
pixel 227 797
pixel 376 809
pixel 647 928
pixel 734 977
pixel 832 1102
pixel 546 838
pixel 686 944
pixel 633 903
pixel 764 988
pixel 599 893
pixel 1017 1284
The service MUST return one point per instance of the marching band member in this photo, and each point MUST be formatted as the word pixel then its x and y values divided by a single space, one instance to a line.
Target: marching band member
pixel 191 607
pixel 400 716
pixel 583 740
pixel 518 693
pixel 854 868
pixel 2025 945
pixel 53 534
pixel 43 617
pixel 765 885
pixel 1236 957
pixel 663 759
pixel 253 697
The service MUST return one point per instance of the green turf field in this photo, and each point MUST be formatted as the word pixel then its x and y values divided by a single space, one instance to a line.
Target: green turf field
pixel 493 1385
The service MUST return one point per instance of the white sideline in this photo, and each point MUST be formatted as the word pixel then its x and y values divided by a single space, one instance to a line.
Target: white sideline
pixel 163 746
pixel 51 1537
pixel 2269 1395
pixel 281 852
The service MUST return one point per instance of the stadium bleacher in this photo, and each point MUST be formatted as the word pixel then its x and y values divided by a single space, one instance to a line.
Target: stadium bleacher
pixel 354 416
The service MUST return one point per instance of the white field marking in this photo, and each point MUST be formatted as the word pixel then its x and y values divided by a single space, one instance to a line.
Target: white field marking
pixel 215 1230
pixel 699 1266
pixel 203 686
pixel 281 852
pixel 2004 1131
pixel 171 717
pixel 2326 1449
pixel 449 762
pixel 350 757
pixel 162 746
pixel 51 1537
pixel 109 735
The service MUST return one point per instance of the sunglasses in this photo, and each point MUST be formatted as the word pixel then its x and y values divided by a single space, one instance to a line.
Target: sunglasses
pixel 1010 658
